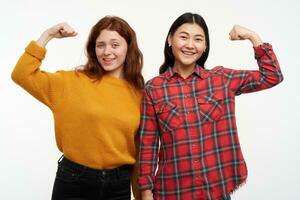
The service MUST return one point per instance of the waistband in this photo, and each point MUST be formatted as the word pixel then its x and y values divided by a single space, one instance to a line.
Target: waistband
pixel 63 161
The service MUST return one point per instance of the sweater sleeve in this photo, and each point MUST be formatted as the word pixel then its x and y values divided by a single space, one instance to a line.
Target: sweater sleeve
pixel 44 86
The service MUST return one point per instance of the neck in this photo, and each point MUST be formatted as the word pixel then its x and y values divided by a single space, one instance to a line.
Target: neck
pixel 184 71
pixel 116 74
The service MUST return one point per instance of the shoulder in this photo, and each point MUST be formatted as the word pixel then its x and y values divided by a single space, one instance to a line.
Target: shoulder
pixel 216 70
pixel 72 73
pixel 219 70
pixel 155 81
pixel 63 73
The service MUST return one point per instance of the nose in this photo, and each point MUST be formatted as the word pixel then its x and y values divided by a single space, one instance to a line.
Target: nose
pixel 107 50
pixel 190 44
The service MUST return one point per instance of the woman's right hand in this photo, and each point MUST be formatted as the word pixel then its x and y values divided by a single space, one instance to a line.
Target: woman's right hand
pixel 147 195
pixel 60 30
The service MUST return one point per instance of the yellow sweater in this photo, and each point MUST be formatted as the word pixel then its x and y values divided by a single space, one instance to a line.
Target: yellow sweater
pixel 95 122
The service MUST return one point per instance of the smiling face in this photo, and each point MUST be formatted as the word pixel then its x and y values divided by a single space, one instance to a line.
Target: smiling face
pixel 188 44
pixel 111 50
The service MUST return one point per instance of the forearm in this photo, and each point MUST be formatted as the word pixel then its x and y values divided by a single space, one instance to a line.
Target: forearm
pixel 147 166
pixel 268 65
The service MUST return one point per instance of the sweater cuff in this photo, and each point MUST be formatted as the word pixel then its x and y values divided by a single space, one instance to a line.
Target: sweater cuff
pixel 35 50
pixel 262 50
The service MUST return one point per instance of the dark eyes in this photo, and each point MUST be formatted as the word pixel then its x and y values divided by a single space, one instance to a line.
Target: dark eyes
pixel 198 39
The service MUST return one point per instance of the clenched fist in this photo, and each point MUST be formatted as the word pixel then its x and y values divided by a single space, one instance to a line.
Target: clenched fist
pixel 241 33
pixel 60 30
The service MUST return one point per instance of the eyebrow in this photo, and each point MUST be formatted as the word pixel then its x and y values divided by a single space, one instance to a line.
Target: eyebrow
pixel 197 35
pixel 112 40
pixel 115 40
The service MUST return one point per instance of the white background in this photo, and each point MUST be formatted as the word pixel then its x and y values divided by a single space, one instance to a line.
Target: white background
pixel 267 121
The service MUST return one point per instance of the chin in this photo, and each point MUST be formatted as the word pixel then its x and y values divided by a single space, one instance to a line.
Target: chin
pixel 188 63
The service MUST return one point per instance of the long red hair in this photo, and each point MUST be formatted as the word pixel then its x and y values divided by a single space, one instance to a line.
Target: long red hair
pixel 134 59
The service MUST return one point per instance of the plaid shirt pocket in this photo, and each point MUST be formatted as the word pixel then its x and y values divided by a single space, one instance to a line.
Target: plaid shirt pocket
pixel 210 107
pixel 168 116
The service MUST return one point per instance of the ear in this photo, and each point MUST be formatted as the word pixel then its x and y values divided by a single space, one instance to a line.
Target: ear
pixel 170 40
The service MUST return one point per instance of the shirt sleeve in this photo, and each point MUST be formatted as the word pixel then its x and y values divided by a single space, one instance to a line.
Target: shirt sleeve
pixel 44 86
pixel 149 144
pixel 268 75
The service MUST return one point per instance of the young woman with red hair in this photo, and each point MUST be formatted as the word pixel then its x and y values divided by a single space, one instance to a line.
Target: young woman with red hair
pixel 96 108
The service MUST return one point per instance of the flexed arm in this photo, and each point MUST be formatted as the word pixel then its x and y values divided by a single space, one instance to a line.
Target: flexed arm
pixel 42 85
pixel 269 73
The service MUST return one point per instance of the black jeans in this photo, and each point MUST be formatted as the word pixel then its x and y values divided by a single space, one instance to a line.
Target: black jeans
pixel 76 182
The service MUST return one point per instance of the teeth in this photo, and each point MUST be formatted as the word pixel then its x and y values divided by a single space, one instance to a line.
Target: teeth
pixel 107 59
pixel 188 53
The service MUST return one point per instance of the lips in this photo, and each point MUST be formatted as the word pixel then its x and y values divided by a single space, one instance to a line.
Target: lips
pixel 188 53
pixel 107 61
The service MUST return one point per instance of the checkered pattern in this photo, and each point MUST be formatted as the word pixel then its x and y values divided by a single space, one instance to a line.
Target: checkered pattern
pixel 188 135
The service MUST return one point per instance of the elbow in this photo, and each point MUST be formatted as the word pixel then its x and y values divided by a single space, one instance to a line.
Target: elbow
pixel 15 77
pixel 279 78
pixel 18 77
pixel 275 79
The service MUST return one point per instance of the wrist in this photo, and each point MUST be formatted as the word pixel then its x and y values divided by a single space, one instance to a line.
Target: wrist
pixel 146 193
pixel 44 39
pixel 255 40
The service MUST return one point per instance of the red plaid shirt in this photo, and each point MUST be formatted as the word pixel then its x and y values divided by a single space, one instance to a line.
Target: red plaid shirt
pixel 189 146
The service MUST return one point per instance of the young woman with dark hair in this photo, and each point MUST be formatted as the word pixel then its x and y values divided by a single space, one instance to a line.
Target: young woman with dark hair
pixel 189 146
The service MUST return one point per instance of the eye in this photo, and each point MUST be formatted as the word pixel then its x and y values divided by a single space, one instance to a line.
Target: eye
pixel 199 39
pixel 100 45
pixel 115 45
pixel 183 37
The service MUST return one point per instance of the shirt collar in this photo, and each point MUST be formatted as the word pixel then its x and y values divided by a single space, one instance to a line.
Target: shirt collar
pixel 198 71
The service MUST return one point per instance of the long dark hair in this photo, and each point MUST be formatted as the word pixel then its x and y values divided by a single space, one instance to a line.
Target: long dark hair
pixel 134 59
pixel 184 18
